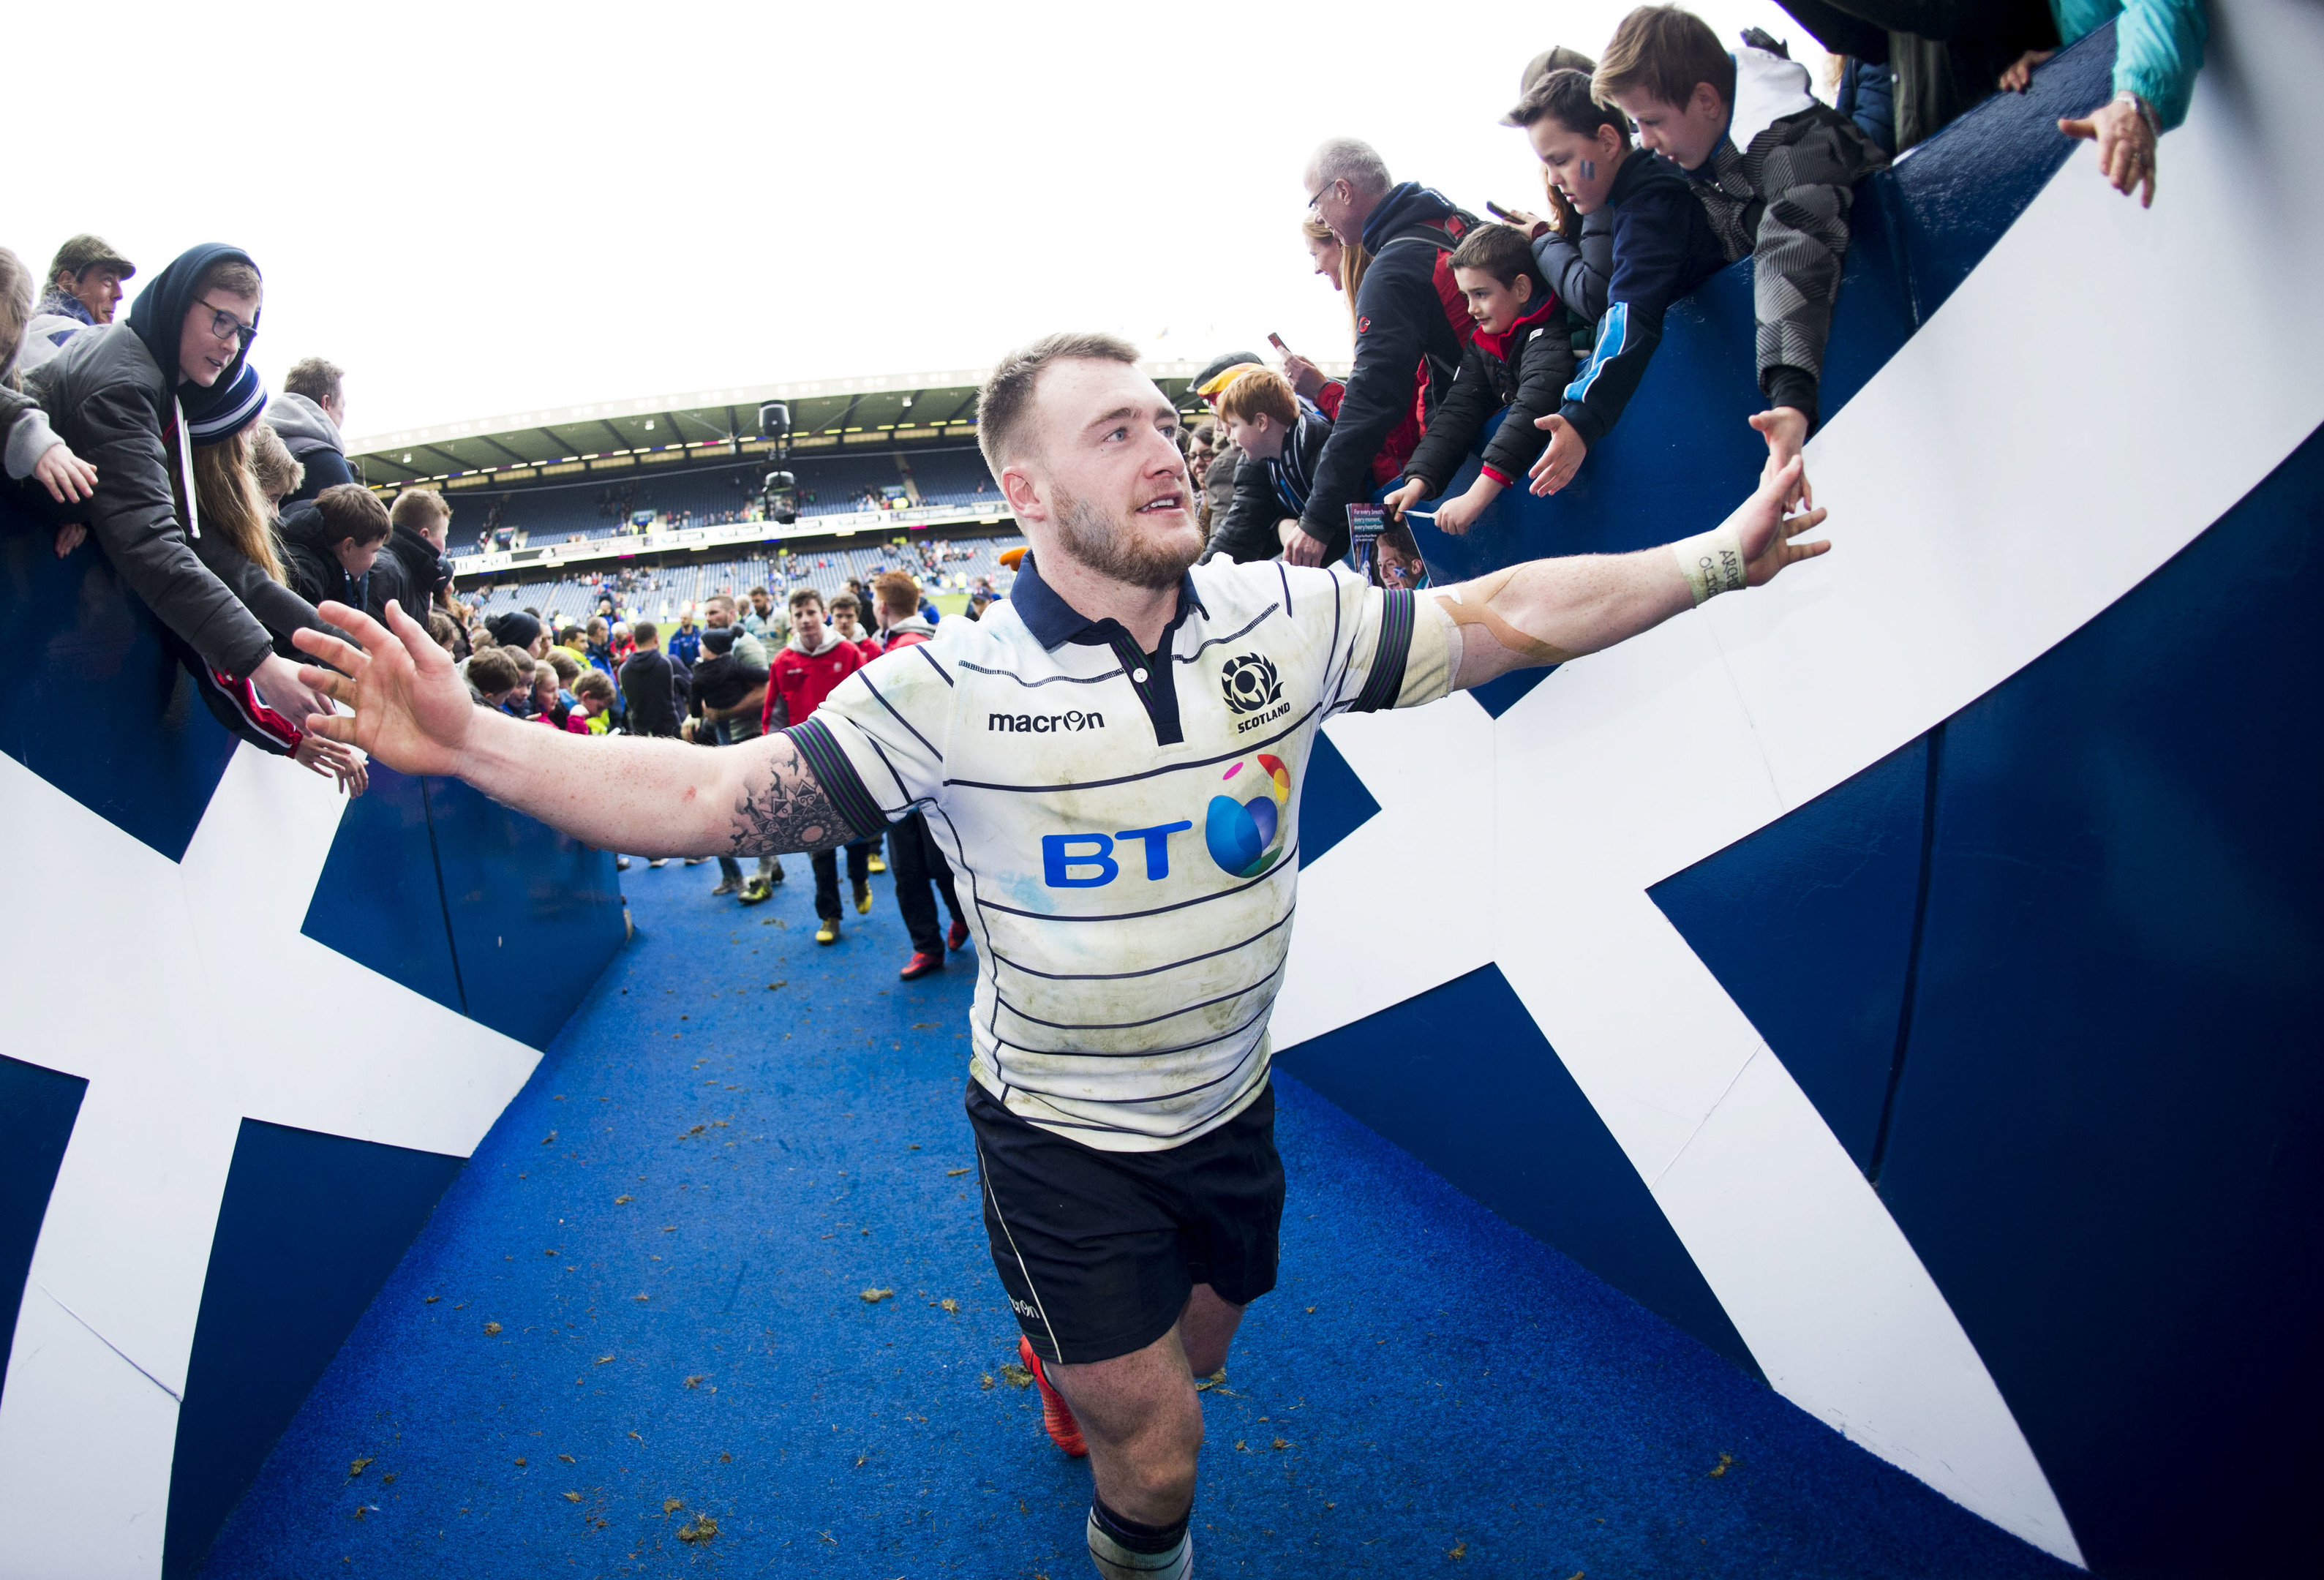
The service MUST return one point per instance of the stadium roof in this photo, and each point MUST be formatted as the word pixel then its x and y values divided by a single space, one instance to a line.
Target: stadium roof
pixel 706 425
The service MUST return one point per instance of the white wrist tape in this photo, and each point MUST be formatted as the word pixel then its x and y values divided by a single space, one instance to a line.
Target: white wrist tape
pixel 1712 562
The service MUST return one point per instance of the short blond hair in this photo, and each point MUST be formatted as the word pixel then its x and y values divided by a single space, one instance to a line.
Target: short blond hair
pixel 416 508
pixel 1260 391
pixel 1005 399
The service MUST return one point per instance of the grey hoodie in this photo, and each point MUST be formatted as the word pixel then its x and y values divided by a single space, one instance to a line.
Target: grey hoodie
pixel 304 427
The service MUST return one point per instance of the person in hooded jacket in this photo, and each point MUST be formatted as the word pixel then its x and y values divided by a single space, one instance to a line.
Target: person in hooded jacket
pixel 309 415
pixel 414 570
pixel 332 542
pixel 238 543
pixel 129 397
pixel 1411 327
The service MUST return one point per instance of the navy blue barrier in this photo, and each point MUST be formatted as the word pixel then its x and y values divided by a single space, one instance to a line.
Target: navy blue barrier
pixel 2067 946
pixel 486 912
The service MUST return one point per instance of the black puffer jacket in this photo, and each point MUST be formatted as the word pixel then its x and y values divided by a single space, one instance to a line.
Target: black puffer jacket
pixel 410 571
pixel 313 564
pixel 106 397
pixel 1525 368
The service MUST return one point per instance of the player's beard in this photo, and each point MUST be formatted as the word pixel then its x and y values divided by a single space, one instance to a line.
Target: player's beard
pixel 1115 546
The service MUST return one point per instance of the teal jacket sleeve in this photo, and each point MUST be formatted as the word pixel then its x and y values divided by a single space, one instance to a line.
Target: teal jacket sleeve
pixel 2158 46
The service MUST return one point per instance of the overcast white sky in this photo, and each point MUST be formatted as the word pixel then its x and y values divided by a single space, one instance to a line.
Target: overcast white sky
pixel 478 208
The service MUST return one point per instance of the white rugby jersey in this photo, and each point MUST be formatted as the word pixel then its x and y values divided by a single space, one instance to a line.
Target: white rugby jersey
pixel 1124 833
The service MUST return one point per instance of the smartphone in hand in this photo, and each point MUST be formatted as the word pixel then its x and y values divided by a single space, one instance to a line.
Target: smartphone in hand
pixel 1276 340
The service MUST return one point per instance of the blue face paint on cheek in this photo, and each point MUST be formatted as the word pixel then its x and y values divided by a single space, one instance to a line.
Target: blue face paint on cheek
pixel 1589 170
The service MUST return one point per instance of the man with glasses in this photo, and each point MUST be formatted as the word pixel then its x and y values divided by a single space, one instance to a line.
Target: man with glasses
pixel 1410 331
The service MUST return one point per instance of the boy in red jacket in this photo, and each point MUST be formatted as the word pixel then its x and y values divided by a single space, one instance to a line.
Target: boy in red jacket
pixel 815 660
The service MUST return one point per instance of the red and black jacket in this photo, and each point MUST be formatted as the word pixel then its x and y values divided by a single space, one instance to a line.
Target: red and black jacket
pixel 1525 369
pixel 1411 329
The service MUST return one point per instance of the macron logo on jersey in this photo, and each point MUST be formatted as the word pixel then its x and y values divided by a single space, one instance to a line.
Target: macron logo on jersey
pixel 1045 724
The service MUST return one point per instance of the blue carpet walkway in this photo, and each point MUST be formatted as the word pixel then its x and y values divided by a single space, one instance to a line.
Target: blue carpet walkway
pixel 643 1310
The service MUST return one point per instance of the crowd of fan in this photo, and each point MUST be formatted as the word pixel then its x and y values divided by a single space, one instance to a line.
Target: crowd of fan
pixel 1664 161
pixel 233 515
pixel 747 670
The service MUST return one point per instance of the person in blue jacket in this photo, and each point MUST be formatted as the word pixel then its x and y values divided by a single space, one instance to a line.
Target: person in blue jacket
pixel 1663 247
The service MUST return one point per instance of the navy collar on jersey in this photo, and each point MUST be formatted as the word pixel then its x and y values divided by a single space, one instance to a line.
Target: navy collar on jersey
pixel 1053 622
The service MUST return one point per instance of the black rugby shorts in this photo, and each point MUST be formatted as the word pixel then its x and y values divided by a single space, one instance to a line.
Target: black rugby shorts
pixel 1099 1251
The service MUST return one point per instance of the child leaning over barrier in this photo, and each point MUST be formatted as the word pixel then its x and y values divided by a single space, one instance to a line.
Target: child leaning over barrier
pixel 1774 170
pixel 1280 436
pixel 1660 247
pixel 1519 357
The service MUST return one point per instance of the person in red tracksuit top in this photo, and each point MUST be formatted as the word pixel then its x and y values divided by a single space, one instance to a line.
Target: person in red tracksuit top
pixel 815 660
pixel 912 854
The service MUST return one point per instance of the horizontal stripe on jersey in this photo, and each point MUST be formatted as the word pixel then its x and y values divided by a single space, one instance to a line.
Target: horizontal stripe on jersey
pixel 1128 849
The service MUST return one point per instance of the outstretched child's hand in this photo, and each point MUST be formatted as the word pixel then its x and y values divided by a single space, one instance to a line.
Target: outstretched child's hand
pixel 1456 516
pixel 67 478
pixel 2019 77
pixel 1785 429
pixel 1563 458
pixel 1411 493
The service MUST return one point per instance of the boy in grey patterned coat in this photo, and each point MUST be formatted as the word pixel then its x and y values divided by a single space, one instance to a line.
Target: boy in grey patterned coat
pixel 1774 170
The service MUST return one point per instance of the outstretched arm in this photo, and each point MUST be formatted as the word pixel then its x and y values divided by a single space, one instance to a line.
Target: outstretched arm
pixel 648 797
pixel 1548 611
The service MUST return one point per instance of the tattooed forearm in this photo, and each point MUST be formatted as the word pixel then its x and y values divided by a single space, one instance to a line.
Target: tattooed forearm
pixel 782 806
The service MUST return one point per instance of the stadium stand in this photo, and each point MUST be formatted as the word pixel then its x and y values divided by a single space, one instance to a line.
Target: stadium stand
pixel 547 514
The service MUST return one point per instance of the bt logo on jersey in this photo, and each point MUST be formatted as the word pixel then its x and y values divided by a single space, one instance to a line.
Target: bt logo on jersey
pixel 1244 837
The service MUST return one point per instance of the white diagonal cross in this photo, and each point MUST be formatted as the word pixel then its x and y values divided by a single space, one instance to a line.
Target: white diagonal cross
pixel 2022 463
pixel 188 998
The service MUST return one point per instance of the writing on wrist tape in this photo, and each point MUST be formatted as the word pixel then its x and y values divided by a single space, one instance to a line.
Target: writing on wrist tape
pixel 1712 562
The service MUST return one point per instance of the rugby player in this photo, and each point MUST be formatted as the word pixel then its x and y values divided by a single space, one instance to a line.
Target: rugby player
pixel 1110 761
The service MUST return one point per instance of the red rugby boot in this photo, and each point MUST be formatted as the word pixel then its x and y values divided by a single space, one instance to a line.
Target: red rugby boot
pixel 1057 1415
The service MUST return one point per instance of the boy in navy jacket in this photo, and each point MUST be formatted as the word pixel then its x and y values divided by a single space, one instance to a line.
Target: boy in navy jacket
pixel 1663 247
pixel 1519 357
pixel 1281 438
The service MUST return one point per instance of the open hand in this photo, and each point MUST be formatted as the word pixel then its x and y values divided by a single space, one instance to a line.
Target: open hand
pixel 411 710
pixel 1767 534
pixel 67 478
pixel 1785 429
pixel 333 760
pixel 1563 458
pixel 2126 147
pixel 282 686
pixel 72 536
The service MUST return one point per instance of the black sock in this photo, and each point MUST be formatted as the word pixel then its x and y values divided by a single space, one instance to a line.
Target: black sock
pixel 1137 1538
